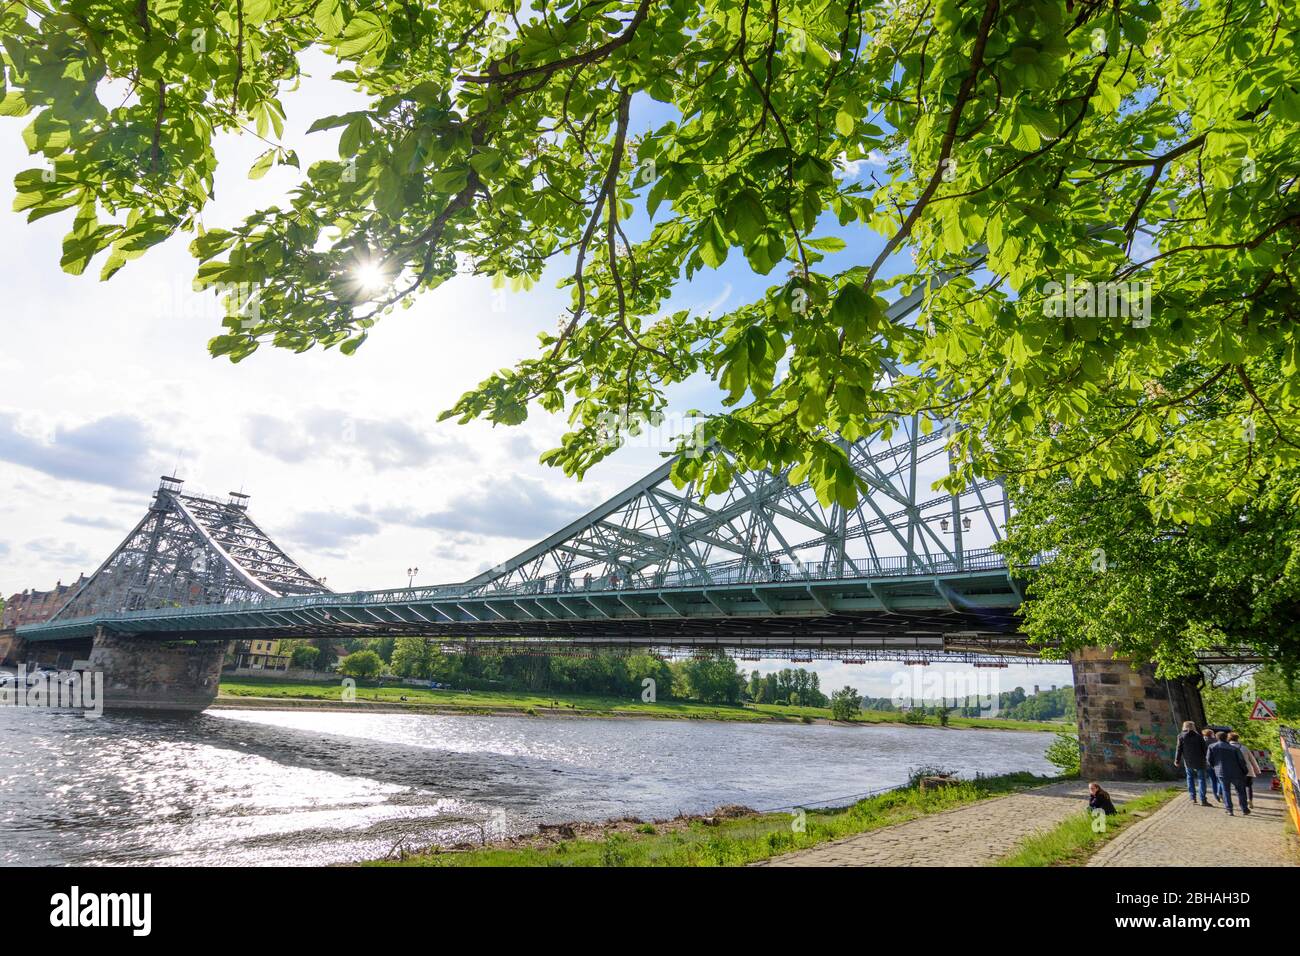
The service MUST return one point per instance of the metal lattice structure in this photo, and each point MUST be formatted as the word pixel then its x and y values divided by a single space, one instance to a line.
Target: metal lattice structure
pixel 764 528
pixel 190 550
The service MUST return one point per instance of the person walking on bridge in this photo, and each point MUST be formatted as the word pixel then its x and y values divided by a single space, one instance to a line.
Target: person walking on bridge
pixel 1231 769
pixel 1190 754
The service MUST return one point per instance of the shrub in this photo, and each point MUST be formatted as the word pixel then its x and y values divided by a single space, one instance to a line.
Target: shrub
pixel 1063 753
pixel 305 656
pixel 614 851
pixel 361 664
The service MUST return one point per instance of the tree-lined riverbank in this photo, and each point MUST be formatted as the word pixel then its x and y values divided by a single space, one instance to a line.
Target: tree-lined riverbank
pixel 252 692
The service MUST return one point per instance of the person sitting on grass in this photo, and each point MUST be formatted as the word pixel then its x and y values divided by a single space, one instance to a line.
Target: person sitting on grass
pixel 1230 768
pixel 1099 799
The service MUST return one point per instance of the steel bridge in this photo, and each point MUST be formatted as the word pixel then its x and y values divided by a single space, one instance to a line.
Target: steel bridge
pixel 761 568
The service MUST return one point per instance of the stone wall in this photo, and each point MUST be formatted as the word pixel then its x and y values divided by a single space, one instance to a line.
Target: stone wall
pixel 288 675
pixel 1129 719
pixel 12 648
pixel 150 675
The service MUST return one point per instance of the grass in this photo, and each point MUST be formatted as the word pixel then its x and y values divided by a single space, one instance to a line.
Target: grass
pixel 497 702
pixel 1071 843
pixel 731 842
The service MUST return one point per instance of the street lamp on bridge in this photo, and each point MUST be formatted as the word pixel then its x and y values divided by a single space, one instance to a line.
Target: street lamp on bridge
pixel 410 576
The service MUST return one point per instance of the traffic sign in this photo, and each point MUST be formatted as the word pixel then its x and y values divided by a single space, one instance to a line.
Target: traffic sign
pixel 1264 710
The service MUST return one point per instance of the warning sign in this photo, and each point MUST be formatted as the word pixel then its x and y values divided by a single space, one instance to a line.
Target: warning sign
pixel 1264 710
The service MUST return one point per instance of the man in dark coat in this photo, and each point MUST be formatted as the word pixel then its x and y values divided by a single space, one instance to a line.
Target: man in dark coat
pixel 1190 755
pixel 1231 769
pixel 1207 737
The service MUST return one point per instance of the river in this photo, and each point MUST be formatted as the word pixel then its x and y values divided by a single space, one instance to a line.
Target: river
pixel 259 787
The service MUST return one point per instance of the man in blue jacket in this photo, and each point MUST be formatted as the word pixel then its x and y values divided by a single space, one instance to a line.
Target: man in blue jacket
pixel 1231 769
pixel 1190 755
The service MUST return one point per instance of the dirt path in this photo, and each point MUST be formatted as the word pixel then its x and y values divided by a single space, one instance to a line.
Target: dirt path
pixel 973 835
pixel 1182 833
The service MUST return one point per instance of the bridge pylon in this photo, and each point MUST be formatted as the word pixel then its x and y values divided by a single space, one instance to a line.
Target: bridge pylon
pixel 188 550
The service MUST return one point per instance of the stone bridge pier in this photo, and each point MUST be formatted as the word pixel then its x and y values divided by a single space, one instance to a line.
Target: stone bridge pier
pixel 154 675
pixel 1129 719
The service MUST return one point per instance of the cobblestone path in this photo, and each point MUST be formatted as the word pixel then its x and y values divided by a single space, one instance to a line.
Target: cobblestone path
pixel 1182 833
pixel 972 835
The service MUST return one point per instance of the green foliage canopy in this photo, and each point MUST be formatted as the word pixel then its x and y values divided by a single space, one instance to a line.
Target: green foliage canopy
pixel 1160 590
pixel 1030 141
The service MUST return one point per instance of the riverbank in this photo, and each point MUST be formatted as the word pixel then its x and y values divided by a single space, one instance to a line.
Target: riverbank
pixel 730 836
pixel 252 693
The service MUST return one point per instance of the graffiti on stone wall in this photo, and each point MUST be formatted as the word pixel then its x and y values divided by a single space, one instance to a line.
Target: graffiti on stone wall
pixel 1148 745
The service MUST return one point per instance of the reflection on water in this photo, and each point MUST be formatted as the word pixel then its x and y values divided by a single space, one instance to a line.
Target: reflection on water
pixel 306 787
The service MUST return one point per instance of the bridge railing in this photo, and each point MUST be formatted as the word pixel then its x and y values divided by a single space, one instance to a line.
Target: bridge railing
pixel 762 571
pixel 739 571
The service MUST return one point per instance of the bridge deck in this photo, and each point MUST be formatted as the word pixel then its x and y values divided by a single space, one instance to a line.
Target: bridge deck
pixel 903 610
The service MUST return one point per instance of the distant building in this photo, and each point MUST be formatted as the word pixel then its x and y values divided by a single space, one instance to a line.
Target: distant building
pixel 33 607
pixel 260 655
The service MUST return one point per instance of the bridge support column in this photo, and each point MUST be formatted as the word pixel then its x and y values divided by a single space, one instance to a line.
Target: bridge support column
pixel 13 649
pixel 151 675
pixel 1129 719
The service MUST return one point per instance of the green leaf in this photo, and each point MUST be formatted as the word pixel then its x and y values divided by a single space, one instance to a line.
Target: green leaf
pixel 14 104
pixel 365 36
pixel 852 311
pixel 826 243
pixel 449 180
pixel 745 216
pixel 350 141
pixel 713 243
pixel 329 17
pixel 262 164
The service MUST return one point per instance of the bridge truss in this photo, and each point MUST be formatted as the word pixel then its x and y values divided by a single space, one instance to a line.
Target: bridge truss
pixel 190 550
pixel 765 528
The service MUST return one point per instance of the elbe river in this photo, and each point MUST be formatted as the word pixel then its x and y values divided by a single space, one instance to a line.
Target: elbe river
pixel 261 787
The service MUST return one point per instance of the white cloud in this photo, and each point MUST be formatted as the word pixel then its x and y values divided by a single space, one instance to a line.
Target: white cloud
pixel 66 554
pixel 92 521
pixel 507 509
pixel 320 433
pixel 852 167
pixel 324 532
pixel 116 450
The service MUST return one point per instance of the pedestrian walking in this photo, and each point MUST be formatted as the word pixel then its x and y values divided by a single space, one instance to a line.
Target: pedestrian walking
pixel 1230 768
pixel 1207 737
pixel 1190 755
pixel 1252 765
